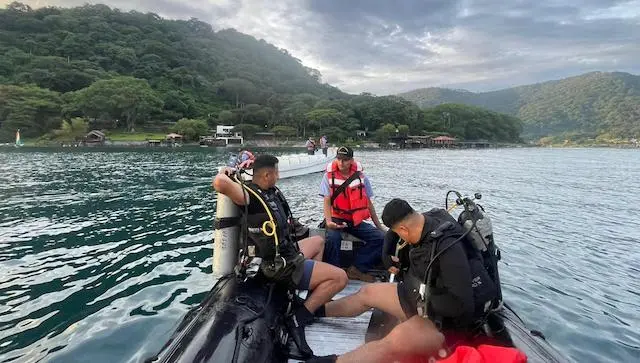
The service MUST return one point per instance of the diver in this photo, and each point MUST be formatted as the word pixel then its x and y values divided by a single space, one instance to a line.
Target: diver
pixel 270 226
pixel 446 288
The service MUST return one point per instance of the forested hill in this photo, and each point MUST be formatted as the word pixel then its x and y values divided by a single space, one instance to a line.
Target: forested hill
pixel 193 71
pixel 594 103
pixel 63 71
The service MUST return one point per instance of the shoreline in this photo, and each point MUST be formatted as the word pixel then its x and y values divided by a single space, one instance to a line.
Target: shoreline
pixel 362 146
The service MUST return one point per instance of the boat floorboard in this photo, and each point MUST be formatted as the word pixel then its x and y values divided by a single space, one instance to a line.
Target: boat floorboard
pixel 338 335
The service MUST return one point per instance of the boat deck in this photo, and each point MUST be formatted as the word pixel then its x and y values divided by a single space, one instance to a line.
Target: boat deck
pixel 338 335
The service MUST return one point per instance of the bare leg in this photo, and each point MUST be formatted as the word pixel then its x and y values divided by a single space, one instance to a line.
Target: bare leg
pixel 383 296
pixel 312 247
pixel 326 281
pixel 415 338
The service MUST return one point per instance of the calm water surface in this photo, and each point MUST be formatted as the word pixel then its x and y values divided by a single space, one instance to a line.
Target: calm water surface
pixel 102 252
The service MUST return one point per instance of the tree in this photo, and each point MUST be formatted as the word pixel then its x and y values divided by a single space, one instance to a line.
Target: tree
pixel 72 130
pixel 294 114
pixel 31 109
pixel 247 130
pixel 237 91
pixel 126 98
pixel 385 132
pixel 319 118
pixel 335 134
pixel 190 129
pixel 226 117
pixel 284 131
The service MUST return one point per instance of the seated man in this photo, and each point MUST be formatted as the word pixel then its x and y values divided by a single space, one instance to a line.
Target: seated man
pixel 458 287
pixel 347 192
pixel 268 212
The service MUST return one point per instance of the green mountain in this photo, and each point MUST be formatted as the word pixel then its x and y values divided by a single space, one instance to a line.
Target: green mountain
pixel 63 71
pixel 192 71
pixel 593 103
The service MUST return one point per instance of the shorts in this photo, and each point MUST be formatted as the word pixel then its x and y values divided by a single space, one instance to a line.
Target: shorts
pixel 408 297
pixel 302 275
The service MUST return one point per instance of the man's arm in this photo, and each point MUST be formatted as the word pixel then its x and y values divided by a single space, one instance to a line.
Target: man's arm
pixel 327 209
pixel 372 209
pixel 374 216
pixel 455 299
pixel 224 185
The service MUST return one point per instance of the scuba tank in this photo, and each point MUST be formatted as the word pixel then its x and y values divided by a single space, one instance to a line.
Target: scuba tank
pixel 477 223
pixel 225 236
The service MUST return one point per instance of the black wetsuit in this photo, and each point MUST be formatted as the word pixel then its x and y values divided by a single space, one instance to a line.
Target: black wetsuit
pixel 459 284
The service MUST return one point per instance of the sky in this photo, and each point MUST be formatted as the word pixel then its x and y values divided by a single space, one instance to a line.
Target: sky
pixel 391 46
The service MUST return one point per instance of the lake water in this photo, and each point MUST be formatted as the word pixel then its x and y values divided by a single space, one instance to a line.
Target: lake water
pixel 102 252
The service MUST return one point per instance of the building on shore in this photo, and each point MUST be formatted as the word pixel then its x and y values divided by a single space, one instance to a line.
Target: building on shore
pixel 226 133
pixel 435 141
pixel 94 138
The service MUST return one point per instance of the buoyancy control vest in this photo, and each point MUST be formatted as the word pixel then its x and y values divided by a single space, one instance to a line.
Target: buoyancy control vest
pixel 270 235
pixel 443 227
pixel 261 235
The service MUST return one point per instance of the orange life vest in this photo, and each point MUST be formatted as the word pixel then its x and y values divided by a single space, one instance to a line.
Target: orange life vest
pixel 353 203
pixel 485 354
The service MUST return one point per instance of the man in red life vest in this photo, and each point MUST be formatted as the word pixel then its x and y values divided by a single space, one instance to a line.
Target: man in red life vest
pixel 347 192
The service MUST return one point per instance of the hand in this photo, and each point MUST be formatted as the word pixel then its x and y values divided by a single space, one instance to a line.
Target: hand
pixel 334 225
pixel 227 171
pixel 394 269
pixel 247 164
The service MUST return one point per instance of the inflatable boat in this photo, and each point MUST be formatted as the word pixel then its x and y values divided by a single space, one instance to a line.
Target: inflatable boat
pixel 241 320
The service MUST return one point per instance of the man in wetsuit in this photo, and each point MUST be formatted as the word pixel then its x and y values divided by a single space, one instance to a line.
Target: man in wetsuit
pixel 458 293
pixel 268 212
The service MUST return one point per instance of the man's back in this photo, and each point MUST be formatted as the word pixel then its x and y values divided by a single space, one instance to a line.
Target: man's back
pixel 459 283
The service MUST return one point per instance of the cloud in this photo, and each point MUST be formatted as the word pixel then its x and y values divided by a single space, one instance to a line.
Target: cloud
pixel 386 47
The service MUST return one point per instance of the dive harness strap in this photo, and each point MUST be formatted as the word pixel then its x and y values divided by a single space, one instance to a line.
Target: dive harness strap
pixel 226 222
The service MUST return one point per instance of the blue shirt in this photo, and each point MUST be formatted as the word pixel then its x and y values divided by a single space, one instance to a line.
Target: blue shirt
pixel 325 190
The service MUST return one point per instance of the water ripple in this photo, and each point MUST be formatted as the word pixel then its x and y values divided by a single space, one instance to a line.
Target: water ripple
pixel 101 252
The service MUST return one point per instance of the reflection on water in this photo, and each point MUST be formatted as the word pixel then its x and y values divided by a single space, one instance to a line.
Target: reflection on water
pixel 102 252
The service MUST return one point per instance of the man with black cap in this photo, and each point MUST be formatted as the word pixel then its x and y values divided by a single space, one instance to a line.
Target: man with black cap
pixel 347 192
pixel 459 292
pixel 268 212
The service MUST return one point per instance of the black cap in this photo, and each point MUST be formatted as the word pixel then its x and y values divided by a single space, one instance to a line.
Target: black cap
pixel 344 151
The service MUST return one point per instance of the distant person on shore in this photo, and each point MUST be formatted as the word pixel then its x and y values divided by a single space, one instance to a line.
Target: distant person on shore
pixel 311 146
pixel 324 145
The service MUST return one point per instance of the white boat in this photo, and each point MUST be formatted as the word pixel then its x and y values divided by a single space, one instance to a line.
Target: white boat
pixel 292 165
